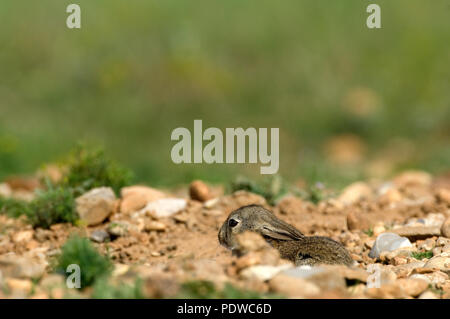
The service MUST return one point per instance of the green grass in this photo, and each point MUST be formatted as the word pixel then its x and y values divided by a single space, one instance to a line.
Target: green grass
pixel 48 207
pixel 80 251
pixel 421 255
pixel 52 206
pixel 88 167
pixel 13 207
pixel 136 71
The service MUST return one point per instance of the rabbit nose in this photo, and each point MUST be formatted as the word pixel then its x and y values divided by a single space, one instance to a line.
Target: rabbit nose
pixel 222 236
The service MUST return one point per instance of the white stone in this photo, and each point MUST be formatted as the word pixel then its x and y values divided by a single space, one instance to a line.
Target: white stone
pixel 388 242
pixel 165 207
pixel 263 272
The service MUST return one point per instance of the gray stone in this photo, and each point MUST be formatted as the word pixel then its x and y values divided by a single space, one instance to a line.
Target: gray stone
pixel 99 236
pixel 388 242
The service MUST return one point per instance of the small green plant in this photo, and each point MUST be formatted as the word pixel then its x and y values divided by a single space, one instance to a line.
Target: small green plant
pixel 89 167
pixel 13 207
pixel 80 251
pixel 203 289
pixel 421 255
pixel 51 206
pixel 368 232
pixel 313 193
pixel 103 289
pixel 271 189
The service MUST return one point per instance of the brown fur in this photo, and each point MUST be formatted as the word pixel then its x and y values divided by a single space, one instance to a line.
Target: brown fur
pixel 289 241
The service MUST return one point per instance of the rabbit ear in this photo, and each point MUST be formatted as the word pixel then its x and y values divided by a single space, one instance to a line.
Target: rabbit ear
pixel 281 231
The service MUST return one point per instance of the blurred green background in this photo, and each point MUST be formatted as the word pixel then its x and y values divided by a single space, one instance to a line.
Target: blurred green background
pixel 350 102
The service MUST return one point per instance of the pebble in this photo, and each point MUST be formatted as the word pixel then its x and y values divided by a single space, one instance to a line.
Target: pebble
pixel 96 205
pixel 378 230
pixel 428 244
pixel 420 276
pixel 21 267
pixel 442 241
pixel 154 226
pixel 19 287
pixel 444 195
pixel 391 196
pixel 323 277
pixel 22 236
pixel 428 295
pixel 262 272
pixel 387 242
pixel 211 203
pixel 293 287
pixel 136 197
pixel 117 229
pixel 417 232
pixel 165 207
pixel 120 269
pixel 99 236
pixel 199 191
pixel 354 193
pixel 413 286
pixel 439 262
pixel 409 178
pixel 400 288
pixel 445 229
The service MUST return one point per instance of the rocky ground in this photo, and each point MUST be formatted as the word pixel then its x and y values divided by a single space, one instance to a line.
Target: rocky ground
pixel 167 238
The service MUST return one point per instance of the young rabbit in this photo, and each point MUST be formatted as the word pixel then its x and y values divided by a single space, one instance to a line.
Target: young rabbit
pixel 290 242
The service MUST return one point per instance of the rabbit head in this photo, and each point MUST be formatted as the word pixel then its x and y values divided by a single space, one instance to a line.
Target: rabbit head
pixel 257 219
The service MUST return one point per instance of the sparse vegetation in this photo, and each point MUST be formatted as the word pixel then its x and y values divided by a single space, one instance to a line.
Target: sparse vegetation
pixel 422 255
pixel 271 189
pixel 88 167
pixel 81 252
pixel 51 206
pixel 13 207
pixel 368 232
pixel 314 192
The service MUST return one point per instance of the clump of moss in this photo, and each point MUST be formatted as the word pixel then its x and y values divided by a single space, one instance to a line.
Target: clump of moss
pixel 203 289
pixel 13 207
pixel 271 189
pixel 80 251
pixel 52 206
pixel 89 167
pixel 422 255
pixel 103 289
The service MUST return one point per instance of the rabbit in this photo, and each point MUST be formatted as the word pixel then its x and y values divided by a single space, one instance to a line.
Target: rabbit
pixel 289 241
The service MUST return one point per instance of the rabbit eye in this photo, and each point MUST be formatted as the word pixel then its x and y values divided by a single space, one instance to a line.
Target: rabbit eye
pixel 303 256
pixel 232 222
